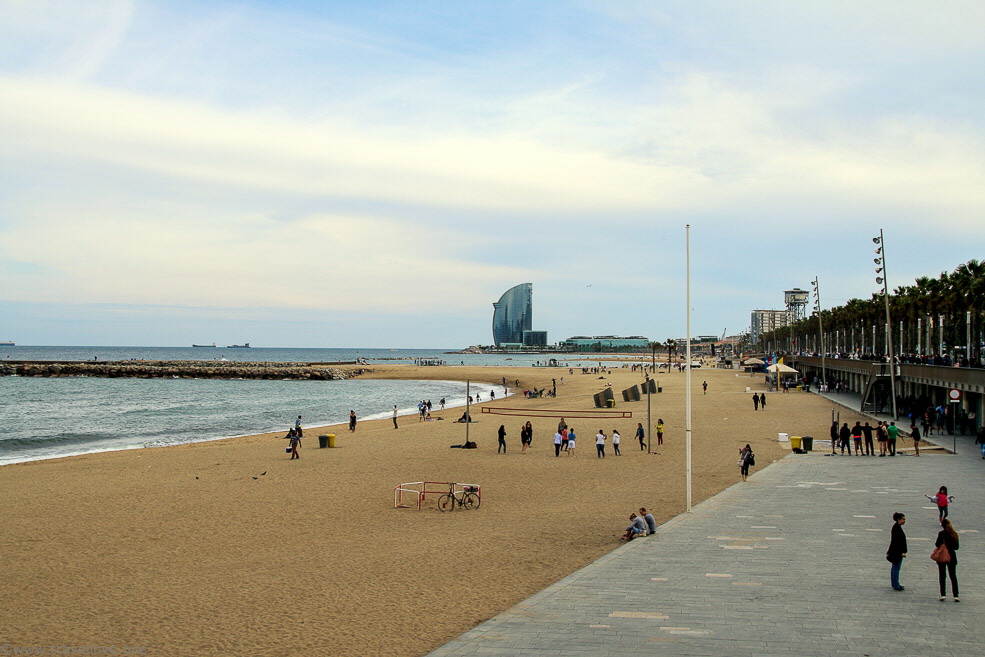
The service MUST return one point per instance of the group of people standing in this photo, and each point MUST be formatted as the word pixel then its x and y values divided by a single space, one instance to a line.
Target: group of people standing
pixel 565 439
pixel 945 552
pixel 886 433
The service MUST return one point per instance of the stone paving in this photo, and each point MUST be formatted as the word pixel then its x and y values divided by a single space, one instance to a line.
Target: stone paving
pixel 791 562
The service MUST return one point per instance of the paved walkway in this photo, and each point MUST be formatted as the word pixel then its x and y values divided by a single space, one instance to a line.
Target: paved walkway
pixel 791 562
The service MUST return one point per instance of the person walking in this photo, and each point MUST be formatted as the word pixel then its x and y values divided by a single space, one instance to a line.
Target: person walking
pixel 746 459
pixel 295 444
pixel 557 444
pixel 394 416
pixel 352 420
pixel 948 538
pixel 834 437
pixel 641 436
pixel 616 438
pixel 600 444
pixel 755 402
pixel 762 400
pixel 980 440
pixel 897 550
pixel 915 435
pixel 502 439
pixel 571 441
pixel 704 386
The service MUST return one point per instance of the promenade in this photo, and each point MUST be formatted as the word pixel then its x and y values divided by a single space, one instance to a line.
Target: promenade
pixel 791 562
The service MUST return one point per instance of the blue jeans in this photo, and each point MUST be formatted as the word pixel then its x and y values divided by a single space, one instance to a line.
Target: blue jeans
pixel 894 574
pixel 983 450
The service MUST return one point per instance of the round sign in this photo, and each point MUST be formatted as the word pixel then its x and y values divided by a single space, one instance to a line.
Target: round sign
pixel 954 395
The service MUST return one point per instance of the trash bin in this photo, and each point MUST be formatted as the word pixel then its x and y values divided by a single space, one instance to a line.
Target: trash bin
pixel 660 389
pixel 807 443
pixel 783 437
pixel 795 443
pixel 611 402
pixel 326 441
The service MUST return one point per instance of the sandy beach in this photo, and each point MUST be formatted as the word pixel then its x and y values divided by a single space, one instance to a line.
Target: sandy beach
pixel 229 547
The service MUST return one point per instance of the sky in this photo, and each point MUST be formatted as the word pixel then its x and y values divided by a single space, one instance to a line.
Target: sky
pixel 377 174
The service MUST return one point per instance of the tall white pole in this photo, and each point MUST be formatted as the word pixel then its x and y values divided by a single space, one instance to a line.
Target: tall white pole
pixel 687 380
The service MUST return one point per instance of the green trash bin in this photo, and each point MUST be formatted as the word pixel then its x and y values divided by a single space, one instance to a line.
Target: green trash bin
pixel 807 443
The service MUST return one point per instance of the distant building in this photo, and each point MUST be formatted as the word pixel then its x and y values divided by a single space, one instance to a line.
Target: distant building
pixel 764 321
pixel 513 315
pixel 535 338
pixel 602 343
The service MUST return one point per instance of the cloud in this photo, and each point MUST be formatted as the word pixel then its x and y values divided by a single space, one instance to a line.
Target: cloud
pixel 348 157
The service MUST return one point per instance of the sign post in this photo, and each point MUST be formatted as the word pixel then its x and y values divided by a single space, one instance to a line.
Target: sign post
pixel 954 396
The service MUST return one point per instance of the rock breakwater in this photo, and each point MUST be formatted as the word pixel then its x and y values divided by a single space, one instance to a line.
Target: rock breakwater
pixel 181 370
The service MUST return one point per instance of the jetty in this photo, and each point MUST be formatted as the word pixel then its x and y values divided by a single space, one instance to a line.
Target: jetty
pixel 183 369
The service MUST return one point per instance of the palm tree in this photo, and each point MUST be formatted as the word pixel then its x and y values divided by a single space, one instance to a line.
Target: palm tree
pixel 671 347
pixel 653 351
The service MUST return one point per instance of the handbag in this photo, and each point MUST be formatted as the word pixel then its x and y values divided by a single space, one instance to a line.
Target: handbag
pixel 288 450
pixel 940 554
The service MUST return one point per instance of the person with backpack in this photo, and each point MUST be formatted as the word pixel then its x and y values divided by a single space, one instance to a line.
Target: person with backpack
pixel 746 458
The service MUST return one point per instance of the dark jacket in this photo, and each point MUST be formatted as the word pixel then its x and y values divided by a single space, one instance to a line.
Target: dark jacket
pixel 952 544
pixel 897 544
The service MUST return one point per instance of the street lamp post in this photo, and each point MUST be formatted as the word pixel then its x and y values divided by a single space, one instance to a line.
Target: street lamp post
pixel 820 329
pixel 883 280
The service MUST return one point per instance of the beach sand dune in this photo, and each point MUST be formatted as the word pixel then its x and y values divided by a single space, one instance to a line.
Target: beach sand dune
pixel 228 547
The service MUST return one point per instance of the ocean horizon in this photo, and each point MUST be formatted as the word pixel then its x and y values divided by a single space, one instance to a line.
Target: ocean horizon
pixel 43 418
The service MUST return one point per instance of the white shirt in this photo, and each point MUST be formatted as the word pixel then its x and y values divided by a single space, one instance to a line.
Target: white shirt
pixel 600 439
pixel 615 437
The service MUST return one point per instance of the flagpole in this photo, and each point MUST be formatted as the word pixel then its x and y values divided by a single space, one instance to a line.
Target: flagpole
pixel 687 381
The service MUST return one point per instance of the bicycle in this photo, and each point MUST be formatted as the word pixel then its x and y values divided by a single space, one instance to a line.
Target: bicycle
pixel 466 498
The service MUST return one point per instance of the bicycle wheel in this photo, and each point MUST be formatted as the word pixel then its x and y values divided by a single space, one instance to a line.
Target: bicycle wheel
pixel 471 501
pixel 446 503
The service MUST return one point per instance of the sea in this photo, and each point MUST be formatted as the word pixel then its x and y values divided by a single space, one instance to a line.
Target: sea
pixel 43 418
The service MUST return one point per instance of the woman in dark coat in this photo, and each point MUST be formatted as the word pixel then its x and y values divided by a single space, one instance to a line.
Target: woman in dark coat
pixel 897 550
pixel 947 536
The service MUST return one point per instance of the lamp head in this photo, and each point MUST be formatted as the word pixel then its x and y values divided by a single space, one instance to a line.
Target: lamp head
pixel 875 240
pixel 878 270
pixel 879 280
pixel 879 250
pixel 878 261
